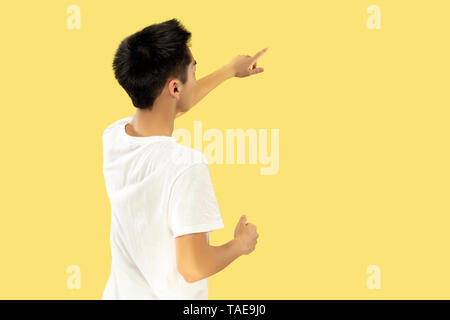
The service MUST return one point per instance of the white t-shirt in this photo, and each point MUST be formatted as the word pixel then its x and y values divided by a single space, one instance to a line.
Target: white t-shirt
pixel 158 190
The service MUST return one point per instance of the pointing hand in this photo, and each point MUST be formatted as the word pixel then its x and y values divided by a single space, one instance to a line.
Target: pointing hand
pixel 245 65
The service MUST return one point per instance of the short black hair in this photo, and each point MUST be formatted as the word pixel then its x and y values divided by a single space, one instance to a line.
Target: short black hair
pixel 146 59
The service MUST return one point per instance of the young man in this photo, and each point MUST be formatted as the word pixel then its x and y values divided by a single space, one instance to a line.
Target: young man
pixel 163 203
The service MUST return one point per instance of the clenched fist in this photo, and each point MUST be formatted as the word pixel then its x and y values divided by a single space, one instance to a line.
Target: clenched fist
pixel 245 235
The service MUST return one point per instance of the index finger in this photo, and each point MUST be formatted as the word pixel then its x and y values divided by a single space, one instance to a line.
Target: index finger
pixel 256 56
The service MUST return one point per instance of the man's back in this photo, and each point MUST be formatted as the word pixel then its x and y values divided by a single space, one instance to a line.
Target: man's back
pixel 158 190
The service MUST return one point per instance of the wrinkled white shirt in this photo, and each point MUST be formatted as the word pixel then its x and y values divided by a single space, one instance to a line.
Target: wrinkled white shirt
pixel 158 190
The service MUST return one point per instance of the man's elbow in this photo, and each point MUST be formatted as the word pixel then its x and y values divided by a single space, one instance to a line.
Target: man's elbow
pixel 189 276
pixel 189 279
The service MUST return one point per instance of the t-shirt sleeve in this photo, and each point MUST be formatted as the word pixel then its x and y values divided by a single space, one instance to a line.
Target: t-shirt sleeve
pixel 193 205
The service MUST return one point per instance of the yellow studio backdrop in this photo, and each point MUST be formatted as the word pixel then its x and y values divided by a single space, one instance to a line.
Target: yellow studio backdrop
pixel 362 110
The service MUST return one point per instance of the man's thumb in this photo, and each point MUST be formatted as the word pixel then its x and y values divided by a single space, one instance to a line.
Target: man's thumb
pixel 243 218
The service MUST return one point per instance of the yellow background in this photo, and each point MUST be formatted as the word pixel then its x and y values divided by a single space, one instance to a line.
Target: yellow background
pixel 364 143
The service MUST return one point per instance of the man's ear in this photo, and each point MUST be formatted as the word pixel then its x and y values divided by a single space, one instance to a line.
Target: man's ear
pixel 174 83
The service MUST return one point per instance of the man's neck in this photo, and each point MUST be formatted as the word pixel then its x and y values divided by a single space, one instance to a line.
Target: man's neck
pixel 157 122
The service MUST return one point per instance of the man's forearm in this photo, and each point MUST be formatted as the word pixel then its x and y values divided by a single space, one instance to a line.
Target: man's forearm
pixel 216 258
pixel 206 84
pixel 209 82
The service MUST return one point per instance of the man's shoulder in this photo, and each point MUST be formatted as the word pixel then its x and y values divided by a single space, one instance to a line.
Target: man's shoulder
pixel 188 165
pixel 116 124
pixel 184 157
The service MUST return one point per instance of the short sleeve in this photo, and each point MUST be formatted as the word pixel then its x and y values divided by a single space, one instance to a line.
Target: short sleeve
pixel 192 204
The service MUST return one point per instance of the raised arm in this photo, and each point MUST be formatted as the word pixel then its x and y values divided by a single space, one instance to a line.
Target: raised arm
pixel 206 84
pixel 241 66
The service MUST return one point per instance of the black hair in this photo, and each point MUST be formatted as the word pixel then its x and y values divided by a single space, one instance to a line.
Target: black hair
pixel 146 59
